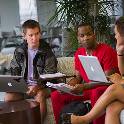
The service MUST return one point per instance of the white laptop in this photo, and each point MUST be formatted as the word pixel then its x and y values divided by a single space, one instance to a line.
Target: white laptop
pixel 93 68
pixel 9 83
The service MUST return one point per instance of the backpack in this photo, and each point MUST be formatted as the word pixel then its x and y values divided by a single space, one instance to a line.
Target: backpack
pixel 76 107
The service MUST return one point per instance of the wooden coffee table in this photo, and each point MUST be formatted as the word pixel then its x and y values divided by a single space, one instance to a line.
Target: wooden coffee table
pixel 20 112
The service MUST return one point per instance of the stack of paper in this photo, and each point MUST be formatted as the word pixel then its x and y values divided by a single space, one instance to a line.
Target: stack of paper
pixel 62 87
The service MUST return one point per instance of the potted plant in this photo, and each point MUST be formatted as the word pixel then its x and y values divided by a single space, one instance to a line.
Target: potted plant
pixel 96 12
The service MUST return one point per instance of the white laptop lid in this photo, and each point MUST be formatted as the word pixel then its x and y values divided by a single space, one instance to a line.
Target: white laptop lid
pixel 9 83
pixel 93 68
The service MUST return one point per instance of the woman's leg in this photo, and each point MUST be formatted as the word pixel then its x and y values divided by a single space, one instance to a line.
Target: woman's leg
pixel 113 113
pixel 13 97
pixel 113 92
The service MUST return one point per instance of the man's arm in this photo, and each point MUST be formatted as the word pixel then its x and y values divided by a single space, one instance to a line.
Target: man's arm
pixel 87 86
pixel 50 63
pixel 80 85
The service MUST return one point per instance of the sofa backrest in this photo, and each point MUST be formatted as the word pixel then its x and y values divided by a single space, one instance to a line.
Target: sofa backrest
pixel 5 60
pixel 66 66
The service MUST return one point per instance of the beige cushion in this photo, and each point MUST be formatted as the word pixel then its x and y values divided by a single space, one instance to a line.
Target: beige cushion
pixel 66 65
pixel 5 60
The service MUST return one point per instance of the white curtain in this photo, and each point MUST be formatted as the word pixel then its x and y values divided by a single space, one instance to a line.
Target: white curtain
pixel 27 10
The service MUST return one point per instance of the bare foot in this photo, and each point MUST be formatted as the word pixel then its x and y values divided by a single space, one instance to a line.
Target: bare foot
pixel 77 120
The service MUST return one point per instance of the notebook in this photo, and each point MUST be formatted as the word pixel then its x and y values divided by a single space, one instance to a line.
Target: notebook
pixel 9 83
pixel 93 68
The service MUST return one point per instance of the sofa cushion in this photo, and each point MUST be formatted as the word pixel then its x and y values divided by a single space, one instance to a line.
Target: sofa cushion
pixel 66 65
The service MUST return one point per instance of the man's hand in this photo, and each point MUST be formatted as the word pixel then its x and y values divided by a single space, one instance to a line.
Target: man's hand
pixel 33 89
pixel 74 81
pixel 78 88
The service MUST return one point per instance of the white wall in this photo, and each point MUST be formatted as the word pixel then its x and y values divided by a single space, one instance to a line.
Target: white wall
pixel 28 10
pixel 9 14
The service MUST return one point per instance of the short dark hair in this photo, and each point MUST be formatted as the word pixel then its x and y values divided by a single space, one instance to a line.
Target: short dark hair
pixel 30 24
pixel 81 24
pixel 120 25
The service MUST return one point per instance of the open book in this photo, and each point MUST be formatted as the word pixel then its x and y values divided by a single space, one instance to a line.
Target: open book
pixel 62 87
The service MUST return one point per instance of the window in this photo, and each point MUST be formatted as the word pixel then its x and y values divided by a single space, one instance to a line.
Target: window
pixel 27 10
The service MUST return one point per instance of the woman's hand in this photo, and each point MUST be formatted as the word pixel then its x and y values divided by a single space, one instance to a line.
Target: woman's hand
pixel 115 78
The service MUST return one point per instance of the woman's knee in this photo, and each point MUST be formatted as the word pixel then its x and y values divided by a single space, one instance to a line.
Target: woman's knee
pixel 114 108
pixel 111 89
pixel 13 97
pixel 42 95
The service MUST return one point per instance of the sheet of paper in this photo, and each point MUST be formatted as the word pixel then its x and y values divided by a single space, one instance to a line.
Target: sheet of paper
pixel 52 75
pixel 62 87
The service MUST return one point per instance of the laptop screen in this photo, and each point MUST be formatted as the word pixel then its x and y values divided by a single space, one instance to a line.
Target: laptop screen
pixel 9 83
pixel 93 68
